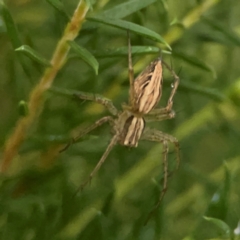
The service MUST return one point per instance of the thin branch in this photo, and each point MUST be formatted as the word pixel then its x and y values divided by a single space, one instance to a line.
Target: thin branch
pixel 36 99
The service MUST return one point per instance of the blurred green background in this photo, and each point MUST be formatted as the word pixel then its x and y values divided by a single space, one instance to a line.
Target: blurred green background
pixel 37 193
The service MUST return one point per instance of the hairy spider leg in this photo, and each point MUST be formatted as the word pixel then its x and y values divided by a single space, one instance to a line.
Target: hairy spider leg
pixel 130 72
pixel 97 124
pixel 155 135
pixel 113 142
pixel 98 99
pixel 164 138
pixel 101 161
pixel 159 114
pixel 174 88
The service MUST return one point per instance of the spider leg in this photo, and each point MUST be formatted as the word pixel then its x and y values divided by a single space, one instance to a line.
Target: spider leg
pixel 174 86
pixel 159 114
pixel 158 136
pixel 168 109
pixel 97 124
pixel 130 72
pixel 165 180
pixel 100 163
pixel 98 99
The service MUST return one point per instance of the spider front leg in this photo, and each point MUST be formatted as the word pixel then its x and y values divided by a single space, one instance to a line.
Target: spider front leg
pixel 130 72
pixel 164 138
pixel 159 114
pixel 104 156
pixel 174 87
pixel 98 99
pixel 97 124
pixel 100 163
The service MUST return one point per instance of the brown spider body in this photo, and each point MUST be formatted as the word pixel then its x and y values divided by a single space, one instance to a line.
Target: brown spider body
pixel 147 91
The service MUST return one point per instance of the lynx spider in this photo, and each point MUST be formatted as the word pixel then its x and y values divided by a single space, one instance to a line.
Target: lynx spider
pixel 129 123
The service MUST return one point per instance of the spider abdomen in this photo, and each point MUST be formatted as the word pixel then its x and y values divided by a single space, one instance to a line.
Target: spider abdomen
pixel 148 87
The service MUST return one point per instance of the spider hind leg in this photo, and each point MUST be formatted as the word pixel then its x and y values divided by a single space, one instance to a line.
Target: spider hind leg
pixel 165 139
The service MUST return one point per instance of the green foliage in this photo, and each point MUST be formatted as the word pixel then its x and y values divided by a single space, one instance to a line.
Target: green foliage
pixel 85 55
pixel 33 55
pixel 126 25
pixel 38 192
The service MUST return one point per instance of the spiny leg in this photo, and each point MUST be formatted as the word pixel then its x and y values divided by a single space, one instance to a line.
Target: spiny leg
pixel 159 115
pixel 130 72
pixel 165 180
pixel 98 123
pixel 174 88
pixel 165 172
pixel 100 163
pixel 168 109
pixel 98 99
pixel 158 136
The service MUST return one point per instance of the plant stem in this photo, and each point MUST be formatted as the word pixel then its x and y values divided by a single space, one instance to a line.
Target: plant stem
pixel 36 100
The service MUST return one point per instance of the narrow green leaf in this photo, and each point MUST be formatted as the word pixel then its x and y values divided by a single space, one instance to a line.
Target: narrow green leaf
pixel 226 31
pixel 11 27
pixel 13 35
pixel 85 55
pixel 189 238
pixel 217 37
pixel 221 225
pixel 136 50
pixel 176 22
pixel 124 9
pixel 165 5
pixel 195 62
pixel 125 25
pixel 23 108
pixel 218 207
pixel 234 92
pixel 59 6
pixel 90 3
pixel 108 203
pixel 34 55
pixel 208 92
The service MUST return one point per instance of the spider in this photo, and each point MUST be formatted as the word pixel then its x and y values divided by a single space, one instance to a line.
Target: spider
pixel 128 124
